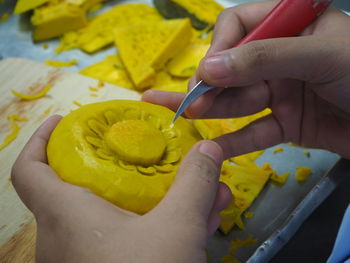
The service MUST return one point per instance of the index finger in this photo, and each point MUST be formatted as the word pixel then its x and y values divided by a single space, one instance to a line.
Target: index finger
pixel 235 22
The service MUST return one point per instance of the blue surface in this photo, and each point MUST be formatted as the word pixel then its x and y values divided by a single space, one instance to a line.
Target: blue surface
pixel 341 250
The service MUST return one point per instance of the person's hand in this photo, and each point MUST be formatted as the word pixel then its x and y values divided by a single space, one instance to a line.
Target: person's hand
pixel 74 225
pixel 305 80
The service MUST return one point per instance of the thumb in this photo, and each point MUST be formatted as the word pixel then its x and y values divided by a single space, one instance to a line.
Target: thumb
pixel 299 58
pixel 194 189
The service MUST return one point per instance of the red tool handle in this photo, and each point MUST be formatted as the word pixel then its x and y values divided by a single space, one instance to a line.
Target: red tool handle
pixel 289 18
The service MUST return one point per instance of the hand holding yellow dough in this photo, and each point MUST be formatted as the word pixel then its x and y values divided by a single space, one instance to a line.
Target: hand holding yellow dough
pixel 124 151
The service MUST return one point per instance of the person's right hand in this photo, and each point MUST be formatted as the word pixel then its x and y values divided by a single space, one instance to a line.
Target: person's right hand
pixel 305 80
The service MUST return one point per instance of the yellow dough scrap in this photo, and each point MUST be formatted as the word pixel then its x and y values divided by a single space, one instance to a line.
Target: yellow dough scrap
pixel 275 178
pixel 248 214
pixel 60 64
pixel 278 150
pixel 234 246
pixel 38 95
pixel 15 130
pixel 302 174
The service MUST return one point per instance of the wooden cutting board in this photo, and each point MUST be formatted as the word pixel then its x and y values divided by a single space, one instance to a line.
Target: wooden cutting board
pixel 17 228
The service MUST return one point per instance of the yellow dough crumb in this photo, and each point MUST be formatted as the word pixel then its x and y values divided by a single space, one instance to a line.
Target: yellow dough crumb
pixel 278 150
pixel 77 103
pixel 38 95
pixel 15 130
pixel 47 111
pixel 302 174
pixel 93 89
pixel 234 246
pixel 248 214
pixel 274 176
pixel 61 64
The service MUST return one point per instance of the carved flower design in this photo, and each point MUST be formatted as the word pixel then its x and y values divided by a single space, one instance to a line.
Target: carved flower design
pixel 135 141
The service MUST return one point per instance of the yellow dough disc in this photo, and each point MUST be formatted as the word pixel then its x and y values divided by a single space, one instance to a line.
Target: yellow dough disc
pixel 124 151
pixel 127 140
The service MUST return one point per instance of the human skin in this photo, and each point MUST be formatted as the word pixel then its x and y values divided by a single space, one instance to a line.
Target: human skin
pixel 305 80
pixel 75 225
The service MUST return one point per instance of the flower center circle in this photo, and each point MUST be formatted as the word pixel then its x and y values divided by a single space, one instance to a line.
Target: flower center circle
pixel 136 142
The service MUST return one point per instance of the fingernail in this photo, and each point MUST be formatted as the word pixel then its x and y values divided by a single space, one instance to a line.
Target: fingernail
pixel 212 150
pixel 215 67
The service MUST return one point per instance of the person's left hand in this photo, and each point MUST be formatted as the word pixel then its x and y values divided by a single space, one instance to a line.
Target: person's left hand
pixel 74 225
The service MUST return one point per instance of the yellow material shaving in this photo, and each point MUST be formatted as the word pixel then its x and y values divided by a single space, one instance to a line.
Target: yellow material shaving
pixel 100 84
pixel 93 89
pixel 45 46
pixel 302 174
pixel 60 64
pixel 238 243
pixel 38 95
pixel 15 130
pixel 235 245
pixel 248 214
pixel 278 150
pixel 275 178
pixel 47 111
pixel 4 17
pixel 77 103
pixel 93 95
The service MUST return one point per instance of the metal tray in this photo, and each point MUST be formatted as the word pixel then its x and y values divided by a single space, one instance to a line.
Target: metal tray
pixel 278 211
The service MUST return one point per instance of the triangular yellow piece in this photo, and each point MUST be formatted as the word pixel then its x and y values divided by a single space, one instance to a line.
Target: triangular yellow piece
pixel 26 5
pixel 111 70
pixel 245 183
pixel 54 19
pixel 99 32
pixel 145 48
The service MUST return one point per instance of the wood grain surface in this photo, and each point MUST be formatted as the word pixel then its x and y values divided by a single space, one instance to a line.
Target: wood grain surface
pixel 17 228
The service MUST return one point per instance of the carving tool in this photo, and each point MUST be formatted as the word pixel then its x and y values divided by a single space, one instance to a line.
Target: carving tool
pixel 289 18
